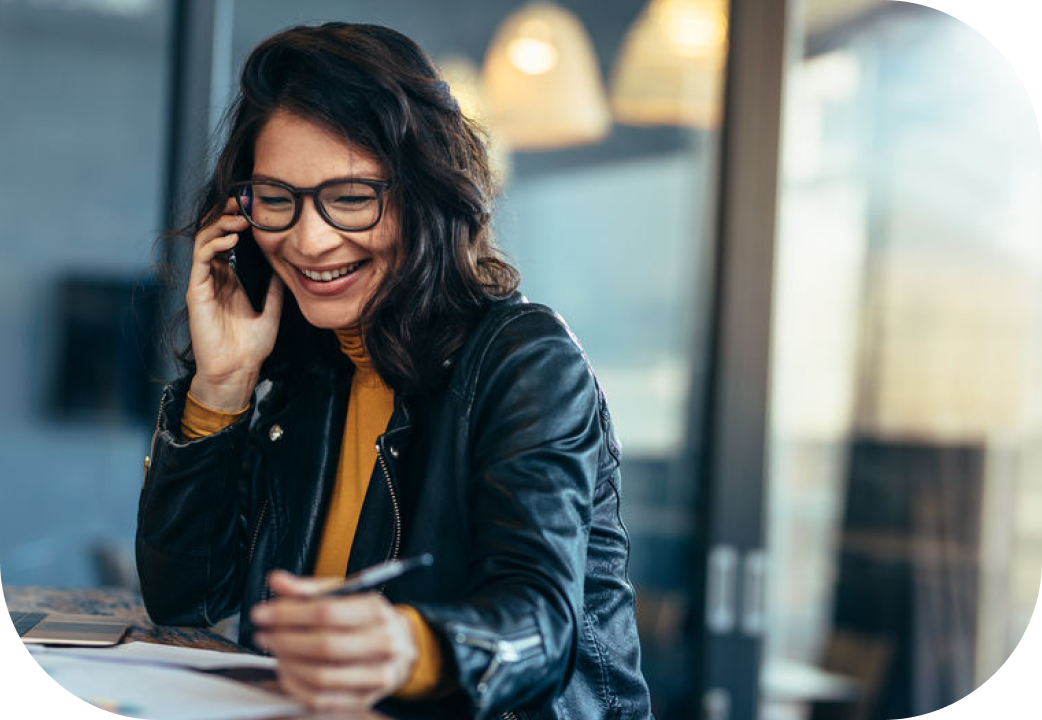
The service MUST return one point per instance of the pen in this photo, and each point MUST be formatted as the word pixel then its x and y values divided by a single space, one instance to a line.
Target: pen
pixel 375 576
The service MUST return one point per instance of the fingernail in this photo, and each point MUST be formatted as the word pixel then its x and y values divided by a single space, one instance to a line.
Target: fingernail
pixel 260 614
pixel 260 640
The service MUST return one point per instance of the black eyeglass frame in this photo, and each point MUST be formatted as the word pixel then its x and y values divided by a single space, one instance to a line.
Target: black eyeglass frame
pixel 380 186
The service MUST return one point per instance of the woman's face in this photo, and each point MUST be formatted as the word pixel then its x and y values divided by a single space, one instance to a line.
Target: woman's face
pixel 304 155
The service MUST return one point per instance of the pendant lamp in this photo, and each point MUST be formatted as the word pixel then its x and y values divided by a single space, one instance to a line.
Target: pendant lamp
pixel 670 70
pixel 541 82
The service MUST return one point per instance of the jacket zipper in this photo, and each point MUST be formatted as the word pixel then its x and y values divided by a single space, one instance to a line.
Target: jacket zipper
pixel 155 434
pixel 503 652
pixel 394 503
pixel 266 590
pixel 256 533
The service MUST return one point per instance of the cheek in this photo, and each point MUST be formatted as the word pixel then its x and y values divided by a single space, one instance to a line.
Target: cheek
pixel 271 245
pixel 267 242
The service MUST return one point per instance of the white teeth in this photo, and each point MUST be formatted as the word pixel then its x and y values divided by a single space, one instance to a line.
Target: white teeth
pixel 327 275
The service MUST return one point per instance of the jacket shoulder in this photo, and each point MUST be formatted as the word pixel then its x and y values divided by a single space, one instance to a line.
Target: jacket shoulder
pixel 510 331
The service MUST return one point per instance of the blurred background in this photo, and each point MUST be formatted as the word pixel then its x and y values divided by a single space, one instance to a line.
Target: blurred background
pixel 798 240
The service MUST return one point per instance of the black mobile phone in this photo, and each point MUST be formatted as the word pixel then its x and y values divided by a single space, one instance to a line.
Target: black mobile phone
pixel 251 268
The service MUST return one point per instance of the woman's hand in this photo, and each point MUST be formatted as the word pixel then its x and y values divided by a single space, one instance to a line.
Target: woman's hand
pixel 229 340
pixel 334 652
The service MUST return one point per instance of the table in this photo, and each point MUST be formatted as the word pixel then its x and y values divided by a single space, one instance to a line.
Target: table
pixel 121 603
pixel 127 605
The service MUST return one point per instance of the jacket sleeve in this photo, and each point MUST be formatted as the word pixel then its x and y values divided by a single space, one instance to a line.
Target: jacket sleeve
pixel 536 443
pixel 189 533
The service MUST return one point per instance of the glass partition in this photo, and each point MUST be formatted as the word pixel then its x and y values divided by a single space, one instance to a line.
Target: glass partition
pixel 905 427
pixel 83 89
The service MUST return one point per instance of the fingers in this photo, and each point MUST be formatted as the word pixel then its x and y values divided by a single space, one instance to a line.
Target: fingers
pixel 286 584
pixel 322 645
pixel 354 692
pixel 334 652
pixel 301 610
pixel 230 222
pixel 323 683
pixel 219 237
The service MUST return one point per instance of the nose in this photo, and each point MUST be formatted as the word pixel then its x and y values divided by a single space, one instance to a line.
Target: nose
pixel 312 234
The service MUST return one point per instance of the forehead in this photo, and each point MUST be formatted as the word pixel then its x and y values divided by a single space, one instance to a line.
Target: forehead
pixel 304 153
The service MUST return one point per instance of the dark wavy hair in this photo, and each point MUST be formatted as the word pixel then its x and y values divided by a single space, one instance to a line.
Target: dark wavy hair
pixel 377 89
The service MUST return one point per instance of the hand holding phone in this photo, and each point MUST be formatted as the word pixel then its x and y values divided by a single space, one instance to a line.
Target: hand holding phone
pixel 230 338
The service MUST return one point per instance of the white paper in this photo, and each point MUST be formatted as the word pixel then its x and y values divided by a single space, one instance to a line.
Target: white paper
pixel 144 682
pixel 154 653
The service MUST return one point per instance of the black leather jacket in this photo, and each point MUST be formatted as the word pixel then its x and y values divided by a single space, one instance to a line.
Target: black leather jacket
pixel 509 477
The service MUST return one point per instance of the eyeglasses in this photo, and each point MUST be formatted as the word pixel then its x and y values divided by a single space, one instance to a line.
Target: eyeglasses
pixel 350 205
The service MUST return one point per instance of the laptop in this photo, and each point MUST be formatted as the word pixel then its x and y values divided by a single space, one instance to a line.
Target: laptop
pixel 43 628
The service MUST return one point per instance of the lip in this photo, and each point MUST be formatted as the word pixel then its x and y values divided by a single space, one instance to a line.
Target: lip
pixel 331 287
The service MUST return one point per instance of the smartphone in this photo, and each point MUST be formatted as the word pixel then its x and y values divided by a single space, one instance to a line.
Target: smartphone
pixel 251 268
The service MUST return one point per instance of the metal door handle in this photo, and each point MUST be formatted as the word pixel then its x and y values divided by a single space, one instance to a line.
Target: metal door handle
pixel 754 588
pixel 721 589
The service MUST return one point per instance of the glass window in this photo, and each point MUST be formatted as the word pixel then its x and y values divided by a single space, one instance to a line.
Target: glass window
pixel 905 421
pixel 82 91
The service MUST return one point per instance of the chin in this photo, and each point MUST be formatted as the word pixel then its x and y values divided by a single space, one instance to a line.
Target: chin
pixel 329 320
pixel 326 322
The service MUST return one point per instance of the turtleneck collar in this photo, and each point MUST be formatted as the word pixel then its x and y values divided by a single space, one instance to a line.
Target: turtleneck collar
pixel 352 344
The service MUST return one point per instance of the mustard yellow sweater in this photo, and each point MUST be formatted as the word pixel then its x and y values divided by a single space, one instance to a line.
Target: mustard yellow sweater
pixel 368 412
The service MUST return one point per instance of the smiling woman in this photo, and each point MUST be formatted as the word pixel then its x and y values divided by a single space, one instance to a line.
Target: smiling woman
pixel 399 401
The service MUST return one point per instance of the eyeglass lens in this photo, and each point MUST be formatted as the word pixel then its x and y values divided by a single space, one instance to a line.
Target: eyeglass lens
pixel 348 204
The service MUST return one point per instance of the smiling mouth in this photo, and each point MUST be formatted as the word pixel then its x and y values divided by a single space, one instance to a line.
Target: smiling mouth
pixel 328 275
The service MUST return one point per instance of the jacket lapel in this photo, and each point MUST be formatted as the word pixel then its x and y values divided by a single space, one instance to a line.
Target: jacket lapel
pixel 301 444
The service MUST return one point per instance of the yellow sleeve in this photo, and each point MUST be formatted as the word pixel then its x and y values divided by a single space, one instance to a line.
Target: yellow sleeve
pixel 426 673
pixel 198 420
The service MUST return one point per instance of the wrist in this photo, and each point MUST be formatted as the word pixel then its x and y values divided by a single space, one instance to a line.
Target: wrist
pixel 228 395
pixel 425 666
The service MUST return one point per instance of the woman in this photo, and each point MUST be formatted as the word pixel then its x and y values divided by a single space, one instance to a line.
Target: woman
pixel 400 399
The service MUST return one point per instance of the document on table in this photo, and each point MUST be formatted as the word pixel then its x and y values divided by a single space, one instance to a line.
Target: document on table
pixel 161 682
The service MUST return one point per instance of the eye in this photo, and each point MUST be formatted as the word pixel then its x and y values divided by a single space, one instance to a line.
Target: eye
pixel 352 200
pixel 271 197
pixel 348 196
pixel 274 201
